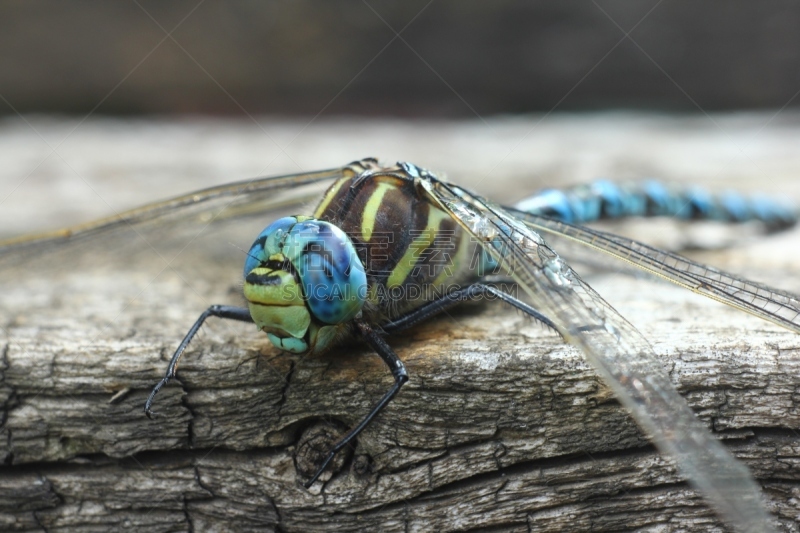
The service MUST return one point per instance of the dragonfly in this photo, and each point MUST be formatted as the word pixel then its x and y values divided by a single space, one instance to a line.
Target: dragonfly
pixel 348 270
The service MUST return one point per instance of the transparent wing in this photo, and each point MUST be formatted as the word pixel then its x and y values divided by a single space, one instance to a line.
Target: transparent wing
pixel 621 355
pixel 777 306
pixel 193 213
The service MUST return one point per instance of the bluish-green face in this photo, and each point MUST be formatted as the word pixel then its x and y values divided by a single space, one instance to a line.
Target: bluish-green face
pixel 302 279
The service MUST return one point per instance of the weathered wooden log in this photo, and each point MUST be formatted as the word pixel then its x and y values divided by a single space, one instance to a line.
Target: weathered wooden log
pixel 502 426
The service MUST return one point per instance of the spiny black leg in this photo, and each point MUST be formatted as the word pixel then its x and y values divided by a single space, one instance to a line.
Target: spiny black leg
pixel 400 377
pixel 222 311
pixel 470 292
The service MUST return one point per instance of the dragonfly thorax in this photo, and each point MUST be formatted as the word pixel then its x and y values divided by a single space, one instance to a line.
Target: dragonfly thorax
pixel 302 279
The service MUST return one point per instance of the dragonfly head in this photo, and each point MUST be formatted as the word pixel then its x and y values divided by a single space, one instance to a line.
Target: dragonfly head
pixel 302 278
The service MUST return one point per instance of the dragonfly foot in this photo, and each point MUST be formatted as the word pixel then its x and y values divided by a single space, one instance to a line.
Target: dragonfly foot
pixel 319 442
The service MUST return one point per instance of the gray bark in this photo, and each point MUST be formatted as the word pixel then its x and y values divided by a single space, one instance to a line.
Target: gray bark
pixel 501 425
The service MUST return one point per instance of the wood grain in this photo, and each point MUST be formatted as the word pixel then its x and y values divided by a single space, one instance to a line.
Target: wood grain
pixel 501 426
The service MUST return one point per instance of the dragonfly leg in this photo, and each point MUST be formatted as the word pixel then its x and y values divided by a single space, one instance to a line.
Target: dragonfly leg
pixel 241 314
pixel 471 292
pixel 400 375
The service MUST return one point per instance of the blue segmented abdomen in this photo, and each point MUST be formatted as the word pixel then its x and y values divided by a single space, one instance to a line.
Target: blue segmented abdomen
pixel 607 200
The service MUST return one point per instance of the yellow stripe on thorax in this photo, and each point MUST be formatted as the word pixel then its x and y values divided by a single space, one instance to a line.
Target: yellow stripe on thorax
pixel 371 209
pixel 326 200
pixel 415 249
pixel 457 261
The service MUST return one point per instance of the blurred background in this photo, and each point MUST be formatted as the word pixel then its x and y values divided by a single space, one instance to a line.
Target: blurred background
pixel 107 105
pixel 442 58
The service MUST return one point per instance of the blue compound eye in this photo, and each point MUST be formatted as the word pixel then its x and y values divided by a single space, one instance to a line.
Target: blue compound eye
pixel 333 278
pixel 268 242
